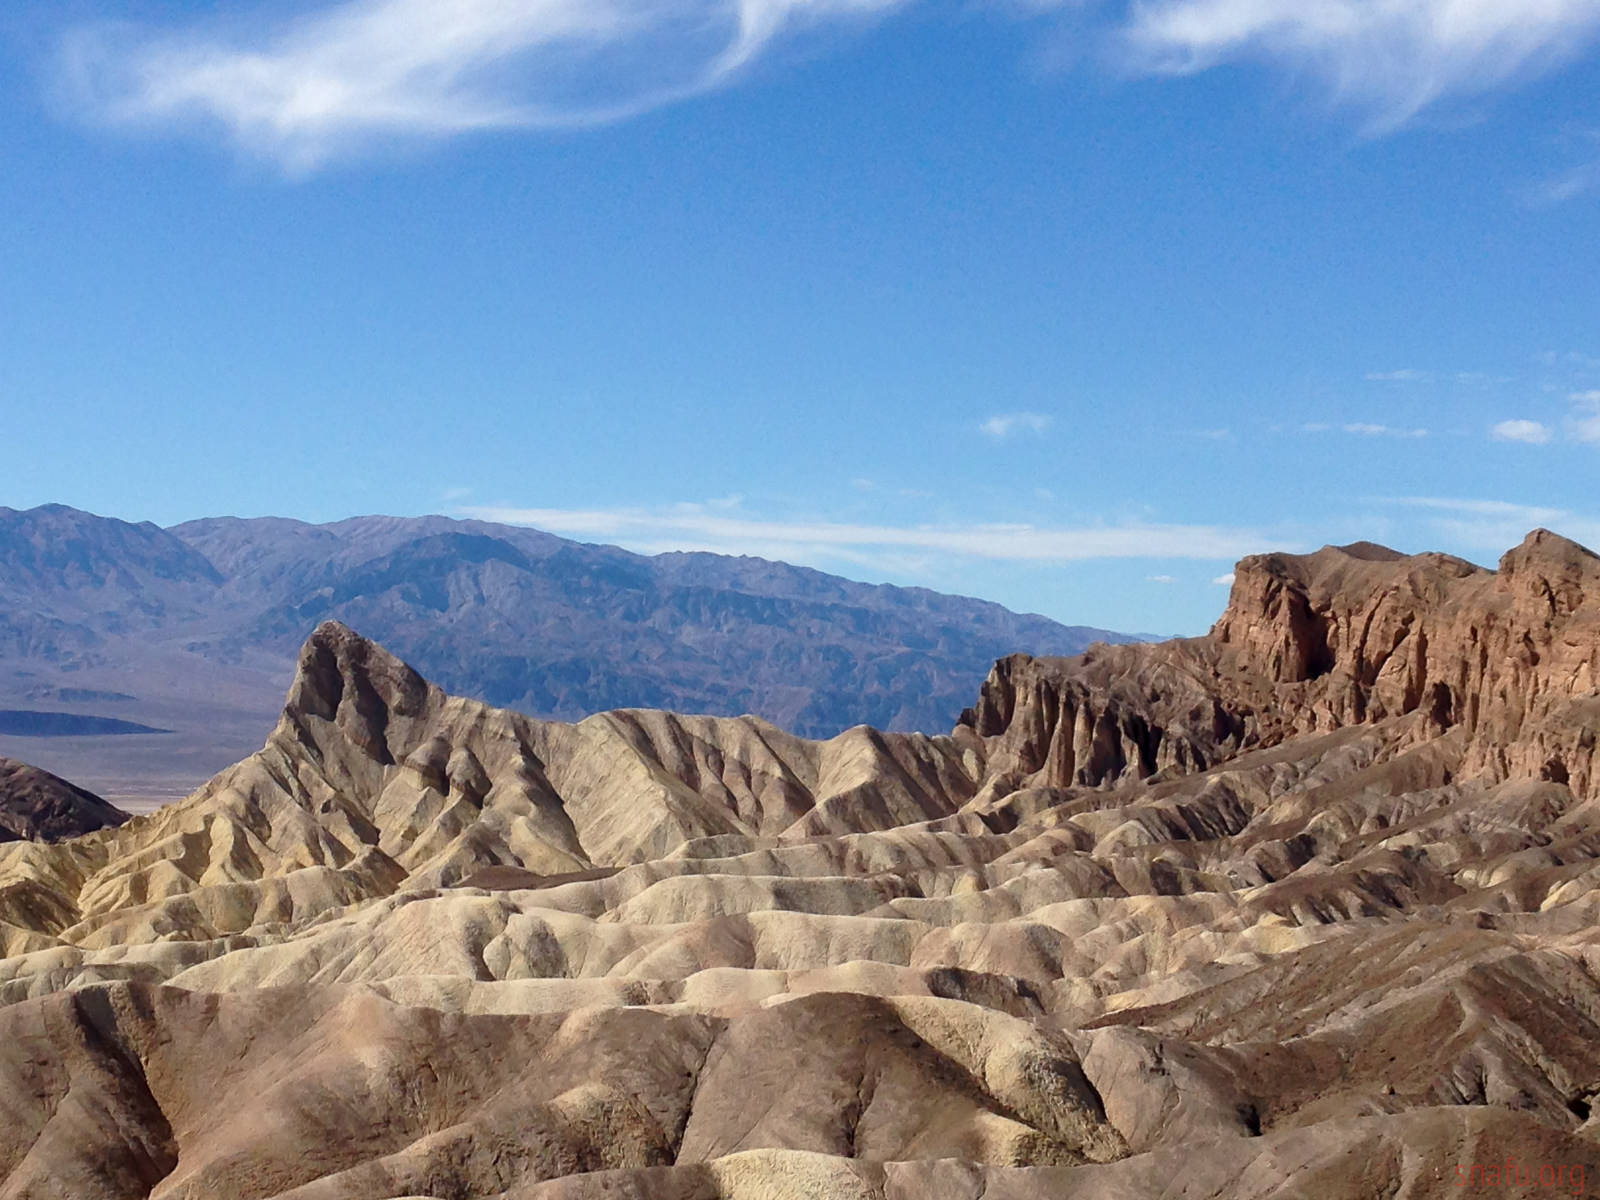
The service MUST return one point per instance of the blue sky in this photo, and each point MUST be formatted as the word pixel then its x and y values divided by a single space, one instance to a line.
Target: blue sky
pixel 1065 305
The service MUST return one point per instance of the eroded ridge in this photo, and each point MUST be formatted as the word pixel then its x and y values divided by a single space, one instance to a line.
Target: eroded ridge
pixel 1307 906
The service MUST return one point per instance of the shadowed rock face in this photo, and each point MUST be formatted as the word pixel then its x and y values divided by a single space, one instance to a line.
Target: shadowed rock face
pixel 36 805
pixel 1306 907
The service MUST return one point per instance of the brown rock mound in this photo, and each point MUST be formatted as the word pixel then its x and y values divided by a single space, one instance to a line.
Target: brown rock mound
pixel 38 806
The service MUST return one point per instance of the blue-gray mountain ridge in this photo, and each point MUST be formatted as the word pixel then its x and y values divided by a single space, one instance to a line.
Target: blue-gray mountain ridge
pixel 522 619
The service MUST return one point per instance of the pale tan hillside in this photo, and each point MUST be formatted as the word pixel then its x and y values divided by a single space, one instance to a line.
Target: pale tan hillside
pixel 1307 907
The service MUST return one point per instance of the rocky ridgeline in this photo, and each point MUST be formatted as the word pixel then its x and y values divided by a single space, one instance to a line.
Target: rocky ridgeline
pixel 1507 662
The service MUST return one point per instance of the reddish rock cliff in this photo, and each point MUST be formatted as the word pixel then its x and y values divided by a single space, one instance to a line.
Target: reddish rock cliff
pixel 1348 635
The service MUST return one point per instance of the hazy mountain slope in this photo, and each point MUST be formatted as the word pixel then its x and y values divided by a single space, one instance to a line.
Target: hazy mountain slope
pixel 97 564
pixel 71 581
pixel 194 630
pixel 555 628
pixel 1260 914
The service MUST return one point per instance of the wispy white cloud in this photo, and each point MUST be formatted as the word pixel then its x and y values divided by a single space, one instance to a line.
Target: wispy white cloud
pixel 1161 579
pixel 720 504
pixel 1568 360
pixel 1366 429
pixel 304 88
pixel 1530 514
pixel 1532 433
pixel 1004 425
pixel 1494 525
pixel 1579 179
pixel 813 541
pixel 331 77
pixel 1392 57
pixel 1224 580
pixel 1363 429
pixel 1571 184
pixel 1414 375
pixel 1584 423
pixel 1403 375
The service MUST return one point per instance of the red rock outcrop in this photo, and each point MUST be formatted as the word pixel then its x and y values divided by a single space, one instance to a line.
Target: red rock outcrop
pixel 1348 635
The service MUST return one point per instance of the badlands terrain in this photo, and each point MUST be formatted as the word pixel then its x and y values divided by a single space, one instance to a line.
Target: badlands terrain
pixel 1307 907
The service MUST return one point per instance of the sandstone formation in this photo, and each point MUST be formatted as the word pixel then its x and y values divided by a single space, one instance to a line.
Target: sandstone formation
pixel 1350 635
pixel 36 805
pixel 1307 907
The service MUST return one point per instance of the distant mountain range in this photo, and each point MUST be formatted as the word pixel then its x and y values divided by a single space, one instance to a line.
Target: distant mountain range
pixel 194 628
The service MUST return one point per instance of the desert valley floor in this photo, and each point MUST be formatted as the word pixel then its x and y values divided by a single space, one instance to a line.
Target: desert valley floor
pixel 1307 907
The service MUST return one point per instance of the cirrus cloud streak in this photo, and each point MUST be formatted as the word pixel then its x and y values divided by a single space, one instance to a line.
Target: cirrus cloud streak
pixel 692 529
pixel 303 90
pixel 1494 525
pixel 329 80
pixel 1395 57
